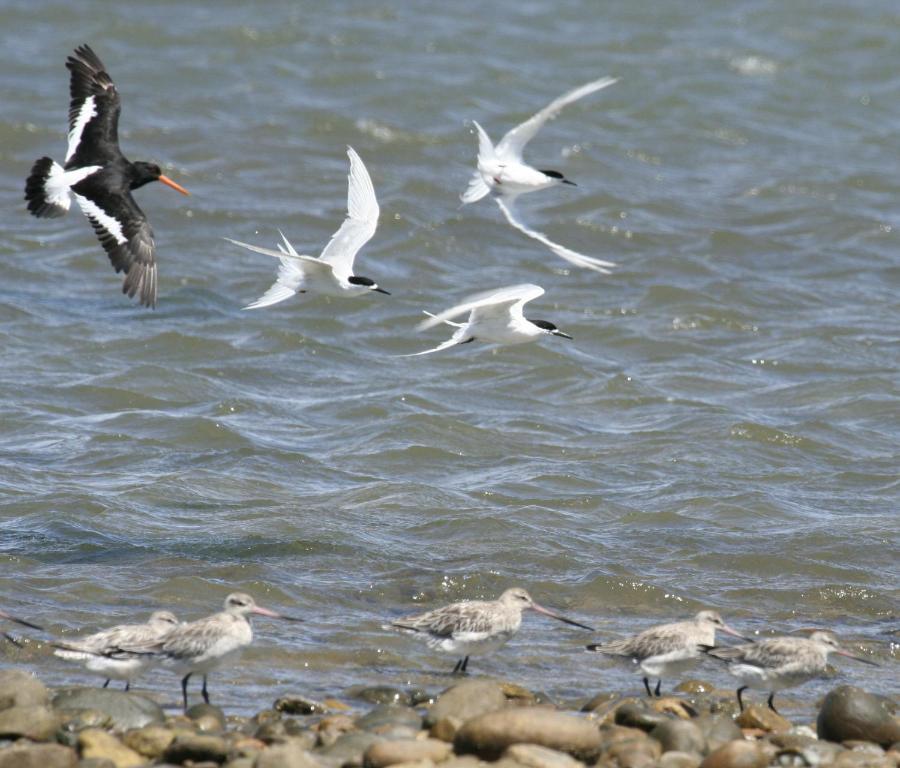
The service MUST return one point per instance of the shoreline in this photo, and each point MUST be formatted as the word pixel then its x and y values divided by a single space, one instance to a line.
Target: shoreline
pixel 473 720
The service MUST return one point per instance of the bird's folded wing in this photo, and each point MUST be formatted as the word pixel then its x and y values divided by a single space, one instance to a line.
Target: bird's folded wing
pixel 578 259
pixel 512 144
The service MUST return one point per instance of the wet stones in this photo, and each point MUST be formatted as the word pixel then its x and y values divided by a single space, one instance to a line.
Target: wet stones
pixel 490 734
pixel 850 713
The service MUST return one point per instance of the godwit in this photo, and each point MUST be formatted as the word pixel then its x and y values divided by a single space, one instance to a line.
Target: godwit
pixel 101 652
pixel 475 626
pixel 203 645
pixel 777 663
pixel 668 649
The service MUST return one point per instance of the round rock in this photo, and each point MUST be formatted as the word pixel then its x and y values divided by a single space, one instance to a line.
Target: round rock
pixel 33 721
pixel 38 756
pixel 764 719
pixel 467 700
pixel 850 713
pixel 384 753
pixel 126 710
pixel 736 754
pixel 533 756
pixel 680 736
pixel 20 689
pixel 100 745
pixel 489 735
pixel 197 748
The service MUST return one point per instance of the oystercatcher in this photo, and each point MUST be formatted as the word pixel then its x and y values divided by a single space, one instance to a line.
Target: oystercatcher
pixel 100 177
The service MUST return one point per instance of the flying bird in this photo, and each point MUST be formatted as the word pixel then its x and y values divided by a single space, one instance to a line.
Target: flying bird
pixel 99 651
pixel 494 317
pixel 505 175
pixel 332 273
pixel 668 649
pixel 777 663
pixel 101 178
pixel 475 626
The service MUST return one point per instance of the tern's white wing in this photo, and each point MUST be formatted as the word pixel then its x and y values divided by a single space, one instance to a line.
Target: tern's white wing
pixel 477 187
pixel 514 142
pixel 490 302
pixel 458 337
pixel 361 221
pixel 291 272
pixel 578 259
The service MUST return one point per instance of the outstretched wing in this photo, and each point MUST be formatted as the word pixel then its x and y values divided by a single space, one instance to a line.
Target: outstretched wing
pixel 578 259
pixel 93 111
pixel 127 238
pixel 361 221
pixel 490 302
pixel 514 142
pixel 477 187
pixel 458 337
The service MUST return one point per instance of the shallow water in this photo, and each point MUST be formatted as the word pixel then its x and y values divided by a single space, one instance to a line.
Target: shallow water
pixel 722 431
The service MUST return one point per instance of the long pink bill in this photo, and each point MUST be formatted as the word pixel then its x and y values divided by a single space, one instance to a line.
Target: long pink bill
pixel 552 615
pixel 734 633
pixel 272 614
pixel 853 656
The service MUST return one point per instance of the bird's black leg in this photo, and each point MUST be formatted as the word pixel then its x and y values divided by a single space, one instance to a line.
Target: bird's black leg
pixel 772 702
pixel 647 686
pixel 184 681
pixel 465 664
pixel 658 684
pixel 127 686
pixel 739 692
pixel 457 667
pixel 204 691
pixel 106 684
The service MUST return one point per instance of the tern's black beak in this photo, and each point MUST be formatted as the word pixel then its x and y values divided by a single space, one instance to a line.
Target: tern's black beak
pixel 560 333
pixel 570 183
pixel 381 290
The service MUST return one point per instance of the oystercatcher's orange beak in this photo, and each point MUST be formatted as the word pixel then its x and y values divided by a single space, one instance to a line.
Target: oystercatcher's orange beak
pixel 169 183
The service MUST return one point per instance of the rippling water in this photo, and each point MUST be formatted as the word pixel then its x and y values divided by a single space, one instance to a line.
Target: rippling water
pixel 722 431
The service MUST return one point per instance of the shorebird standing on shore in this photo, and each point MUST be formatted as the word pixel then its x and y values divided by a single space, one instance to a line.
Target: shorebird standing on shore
pixel 777 663
pixel 198 647
pixel 475 626
pixel 17 620
pixel 668 649
pixel 100 651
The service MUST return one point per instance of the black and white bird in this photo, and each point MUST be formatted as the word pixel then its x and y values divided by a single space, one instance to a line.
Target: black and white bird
pixel 331 273
pixel 505 175
pixel 101 178
pixel 495 317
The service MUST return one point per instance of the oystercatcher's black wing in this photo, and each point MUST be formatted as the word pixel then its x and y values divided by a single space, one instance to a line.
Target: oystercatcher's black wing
pixel 127 238
pixel 93 111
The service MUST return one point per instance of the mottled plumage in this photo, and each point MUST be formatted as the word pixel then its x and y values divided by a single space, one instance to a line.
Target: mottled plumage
pixel 475 626
pixel 777 663
pixel 99 651
pixel 668 649
pixel 203 645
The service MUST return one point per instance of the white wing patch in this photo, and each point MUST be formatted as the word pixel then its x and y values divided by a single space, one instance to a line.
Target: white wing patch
pixel 95 213
pixel 87 112
pixel 578 259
